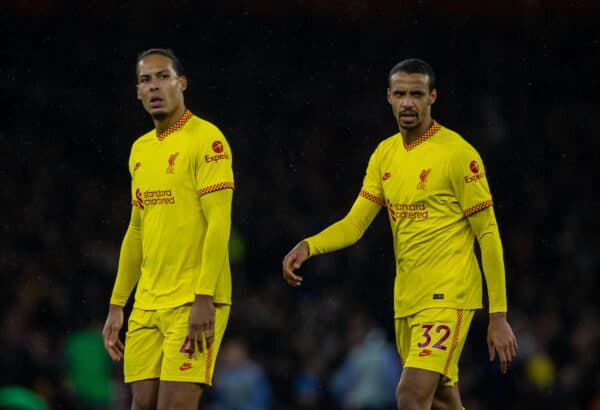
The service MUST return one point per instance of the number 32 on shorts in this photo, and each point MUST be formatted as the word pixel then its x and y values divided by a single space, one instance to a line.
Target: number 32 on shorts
pixel 441 334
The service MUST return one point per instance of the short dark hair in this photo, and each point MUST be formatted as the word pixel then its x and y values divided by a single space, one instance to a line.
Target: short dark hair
pixel 414 66
pixel 167 52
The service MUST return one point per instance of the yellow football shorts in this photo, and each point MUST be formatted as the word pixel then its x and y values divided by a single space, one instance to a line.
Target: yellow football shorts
pixel 157 346
pixel 433 339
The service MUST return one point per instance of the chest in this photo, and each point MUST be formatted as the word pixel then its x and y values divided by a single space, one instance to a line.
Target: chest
pixel 158 164
pixel 414 177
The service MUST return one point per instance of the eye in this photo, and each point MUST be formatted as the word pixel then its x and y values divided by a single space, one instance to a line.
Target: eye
pixel 165 76
pixel 143 80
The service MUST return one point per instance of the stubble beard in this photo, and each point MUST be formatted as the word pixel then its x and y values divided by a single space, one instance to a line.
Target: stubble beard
pixel 159 116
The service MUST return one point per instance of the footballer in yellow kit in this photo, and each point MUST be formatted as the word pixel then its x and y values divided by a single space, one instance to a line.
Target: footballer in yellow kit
pixel 428 189
pixel 434 188
pixel 171 172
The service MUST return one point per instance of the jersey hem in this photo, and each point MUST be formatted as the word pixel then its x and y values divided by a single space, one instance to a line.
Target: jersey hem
pixel 414 312
pixel 218 300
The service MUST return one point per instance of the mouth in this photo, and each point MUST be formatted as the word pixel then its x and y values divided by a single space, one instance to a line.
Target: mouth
pixel 156 102
pixel 408 116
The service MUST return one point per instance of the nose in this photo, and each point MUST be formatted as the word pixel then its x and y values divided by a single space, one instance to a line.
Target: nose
pixel 407 102
pixel 153 85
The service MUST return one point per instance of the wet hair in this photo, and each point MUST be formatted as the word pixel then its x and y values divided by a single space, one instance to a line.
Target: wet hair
pixel 167 52
pixel 414 66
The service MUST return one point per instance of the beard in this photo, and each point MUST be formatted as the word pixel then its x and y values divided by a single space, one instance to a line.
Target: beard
pixel 160 115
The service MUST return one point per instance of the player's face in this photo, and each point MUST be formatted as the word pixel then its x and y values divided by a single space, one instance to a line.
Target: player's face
pixel 411 99
pixel 159 88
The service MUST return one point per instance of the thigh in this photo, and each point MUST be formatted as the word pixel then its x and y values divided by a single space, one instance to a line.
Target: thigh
pixel 144 394
pixel 417 388
pixel 143 347
pixel 437 337
pixel 179 395
pixel 403 338
pixel 447 398
pixel 182 362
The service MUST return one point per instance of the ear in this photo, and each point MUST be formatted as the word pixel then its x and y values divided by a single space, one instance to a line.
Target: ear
pixel 432 96
pixel 389 96
pixel 183 82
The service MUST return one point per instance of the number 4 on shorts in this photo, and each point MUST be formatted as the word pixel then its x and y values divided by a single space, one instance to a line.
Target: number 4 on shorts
pixel 187 347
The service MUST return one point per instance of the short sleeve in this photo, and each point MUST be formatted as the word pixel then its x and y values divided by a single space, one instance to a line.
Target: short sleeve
pixel 214 164
pixel 371 187
pixel 469 181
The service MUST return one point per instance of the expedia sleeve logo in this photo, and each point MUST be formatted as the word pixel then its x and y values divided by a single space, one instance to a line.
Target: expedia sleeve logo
pixel 474 167
pixel 217 147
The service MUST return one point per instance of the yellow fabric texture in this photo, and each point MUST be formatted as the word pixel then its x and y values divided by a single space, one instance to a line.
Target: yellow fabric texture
pixel 130 261
pixel 179 184
pixel 486 231
pixel 346 231
pixel 157 347
pixel 433 339
pixel 430 190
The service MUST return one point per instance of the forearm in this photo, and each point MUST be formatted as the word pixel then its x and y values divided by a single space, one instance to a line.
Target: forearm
pixel 492 259
pixel 493 269
pixel 346 231
pixel 215 253
pixel 130 262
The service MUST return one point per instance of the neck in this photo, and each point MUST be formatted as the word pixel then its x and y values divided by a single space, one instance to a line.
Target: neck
pixel 409 135
pixel 163 124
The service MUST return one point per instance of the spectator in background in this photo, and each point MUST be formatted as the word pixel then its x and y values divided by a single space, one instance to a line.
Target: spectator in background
pixel 367 377
pixel 240 383
pixel 88 370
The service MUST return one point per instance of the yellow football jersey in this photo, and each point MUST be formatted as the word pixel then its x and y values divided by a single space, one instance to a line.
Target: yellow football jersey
pixel 170 172
pixel 429 188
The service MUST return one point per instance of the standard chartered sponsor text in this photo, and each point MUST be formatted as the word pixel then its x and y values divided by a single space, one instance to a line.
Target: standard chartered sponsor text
pixel 160 197
pixel 410 211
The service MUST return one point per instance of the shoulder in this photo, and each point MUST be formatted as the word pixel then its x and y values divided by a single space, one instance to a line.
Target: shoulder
pixel 200 125
pixel 455 144
pixel 144 138
pixel 388 143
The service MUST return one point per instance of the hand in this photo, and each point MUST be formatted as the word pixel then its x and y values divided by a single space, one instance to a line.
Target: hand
pixel 501 339
pixel 201 326
pixel 292 261
pixel 110 333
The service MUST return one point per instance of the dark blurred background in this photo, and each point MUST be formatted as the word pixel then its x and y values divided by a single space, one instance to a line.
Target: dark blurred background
pixel 298 88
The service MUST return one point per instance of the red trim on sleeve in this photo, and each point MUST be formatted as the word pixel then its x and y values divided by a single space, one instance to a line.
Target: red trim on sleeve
pixel 216 187
pixel 478 207
pixel 372 198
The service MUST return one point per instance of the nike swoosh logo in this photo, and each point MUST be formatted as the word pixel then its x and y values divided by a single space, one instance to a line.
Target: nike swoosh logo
pixel 185 366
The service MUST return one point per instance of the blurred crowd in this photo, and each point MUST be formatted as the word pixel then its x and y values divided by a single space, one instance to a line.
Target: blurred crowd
pixel 301 97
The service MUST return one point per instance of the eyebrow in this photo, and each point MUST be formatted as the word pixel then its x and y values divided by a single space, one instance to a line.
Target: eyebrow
pixel 163 71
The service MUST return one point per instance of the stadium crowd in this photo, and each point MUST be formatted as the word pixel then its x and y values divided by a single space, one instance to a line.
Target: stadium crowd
pixel 300 95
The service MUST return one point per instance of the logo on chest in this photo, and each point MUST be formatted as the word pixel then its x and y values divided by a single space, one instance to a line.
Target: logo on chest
pixel 423 179
pixel 171 161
